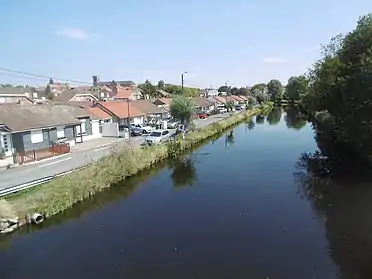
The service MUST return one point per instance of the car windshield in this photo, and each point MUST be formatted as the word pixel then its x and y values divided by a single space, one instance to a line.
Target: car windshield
pixel 155 134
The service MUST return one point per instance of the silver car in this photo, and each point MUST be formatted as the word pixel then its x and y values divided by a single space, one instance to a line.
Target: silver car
pixel 157 137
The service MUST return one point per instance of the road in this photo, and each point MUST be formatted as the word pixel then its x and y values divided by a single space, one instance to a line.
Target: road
pixel 80 155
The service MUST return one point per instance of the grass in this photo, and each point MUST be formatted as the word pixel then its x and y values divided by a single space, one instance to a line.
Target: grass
pixel 63 192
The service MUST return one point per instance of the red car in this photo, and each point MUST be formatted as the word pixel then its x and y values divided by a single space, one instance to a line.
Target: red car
pixel 203 115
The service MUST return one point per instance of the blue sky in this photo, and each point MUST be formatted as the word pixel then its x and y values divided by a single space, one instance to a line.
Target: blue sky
pixel 244 42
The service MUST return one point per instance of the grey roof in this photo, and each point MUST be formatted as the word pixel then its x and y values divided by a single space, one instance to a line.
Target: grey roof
pixel 26 117
pixel 147 107
pixel 14 90
pixel 120 82
pixel 202 102
pixel 68 94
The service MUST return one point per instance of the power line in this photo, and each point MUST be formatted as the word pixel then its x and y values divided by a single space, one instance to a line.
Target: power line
pixel 42 76
pixel 18 76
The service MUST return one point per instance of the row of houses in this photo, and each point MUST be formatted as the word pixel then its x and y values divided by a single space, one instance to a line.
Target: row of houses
pixel 31 129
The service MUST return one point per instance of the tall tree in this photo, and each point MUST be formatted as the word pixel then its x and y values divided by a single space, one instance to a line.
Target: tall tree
pixel 234 91
pixel 223 88
pixel 182 108
pixel 51 81
pixel 243 91
pixel 161 84
pixel 296 88
pixel 148 89
pixel 275 90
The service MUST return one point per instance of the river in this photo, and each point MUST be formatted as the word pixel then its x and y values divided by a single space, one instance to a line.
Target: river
pixel 244 205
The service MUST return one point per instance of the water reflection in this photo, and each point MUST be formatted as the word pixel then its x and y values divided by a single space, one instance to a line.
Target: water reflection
pixel 229 139
pixel 339 188
pixel 260 119
pixel 273 117
pixel 183 171
pixel 293 118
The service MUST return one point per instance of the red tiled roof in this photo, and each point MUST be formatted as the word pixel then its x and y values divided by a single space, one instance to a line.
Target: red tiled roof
pixel 98 112
pixel 120 109
pixel 123 92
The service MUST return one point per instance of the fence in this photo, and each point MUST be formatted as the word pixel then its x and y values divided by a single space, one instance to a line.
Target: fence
pixel 43 153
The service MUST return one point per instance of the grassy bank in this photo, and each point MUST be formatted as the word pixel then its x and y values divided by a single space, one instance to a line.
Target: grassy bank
pixel 63 192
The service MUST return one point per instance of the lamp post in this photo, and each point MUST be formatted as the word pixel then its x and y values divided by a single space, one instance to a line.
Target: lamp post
pixel 227 89
pixel 182 81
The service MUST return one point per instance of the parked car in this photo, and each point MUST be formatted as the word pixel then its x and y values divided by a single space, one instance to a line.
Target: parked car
pixel 145 129
pixel 157 137
pixel 203 115
pixel 238 108
pixel 172 124
pixel 222 110
pixel 134 131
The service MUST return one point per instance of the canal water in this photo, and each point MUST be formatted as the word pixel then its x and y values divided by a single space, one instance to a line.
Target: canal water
pixel 244 205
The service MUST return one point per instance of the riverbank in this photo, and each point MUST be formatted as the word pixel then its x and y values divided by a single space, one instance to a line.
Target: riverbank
pixel 63 192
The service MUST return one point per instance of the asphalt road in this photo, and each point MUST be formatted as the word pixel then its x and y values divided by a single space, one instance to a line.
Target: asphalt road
pixel 81 155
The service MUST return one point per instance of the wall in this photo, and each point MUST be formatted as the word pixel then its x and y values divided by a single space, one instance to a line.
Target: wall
pixel 22 140
pixel 13 100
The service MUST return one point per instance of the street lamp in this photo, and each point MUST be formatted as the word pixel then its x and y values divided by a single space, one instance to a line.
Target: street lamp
pixel 182 81
pixel 227 89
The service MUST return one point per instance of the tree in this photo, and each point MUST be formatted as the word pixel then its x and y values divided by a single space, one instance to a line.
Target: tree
pixel 182 109
pixel 234 91
pixel 275 90
pixel 296 88
pixel 341 84
pixel 243 91
pixel 161 84
pixel 148 89
pixel 223 88
pixel 259 88
pixel 261 97
pixel 51 81
pixel 229 105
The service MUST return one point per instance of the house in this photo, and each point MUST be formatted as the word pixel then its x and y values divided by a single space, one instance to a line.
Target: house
pixel 204 104
pixel 75 95
pixel 238 99
pixel 14 96
pixel 150 110
pixel 220 100
pixel 56 88
pixel 126 93
pixel 163 102
pixel 122 112
pixel 34 129
pixel 212 93
pixel 113 83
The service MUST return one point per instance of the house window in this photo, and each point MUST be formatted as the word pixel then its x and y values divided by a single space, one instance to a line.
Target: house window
pixel 5 143
pixel 81 128
pixel 60 132
pixel 37 136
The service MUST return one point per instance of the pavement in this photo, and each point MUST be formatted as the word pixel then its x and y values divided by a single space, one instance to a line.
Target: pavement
pixel 81 154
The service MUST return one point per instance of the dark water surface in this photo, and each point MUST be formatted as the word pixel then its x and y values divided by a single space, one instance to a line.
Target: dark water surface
pixel 235 208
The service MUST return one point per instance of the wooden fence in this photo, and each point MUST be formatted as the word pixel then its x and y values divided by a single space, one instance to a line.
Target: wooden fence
pixel 43 153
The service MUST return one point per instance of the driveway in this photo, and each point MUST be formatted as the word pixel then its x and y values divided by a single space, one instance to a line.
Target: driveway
pixel 81 154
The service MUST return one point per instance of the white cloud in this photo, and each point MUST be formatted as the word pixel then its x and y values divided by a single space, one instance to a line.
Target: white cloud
pixel 73 33
pixel 274 60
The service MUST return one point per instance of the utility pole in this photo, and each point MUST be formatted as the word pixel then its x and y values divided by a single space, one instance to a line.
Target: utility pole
pixel 129 117
pixel 182 81
pixel 227 89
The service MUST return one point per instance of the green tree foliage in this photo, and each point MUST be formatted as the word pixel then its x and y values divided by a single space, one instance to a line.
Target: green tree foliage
pixel 243 91
pixel 261 97
pixel 275 90
pixel 223 88
pixel 273 117
pixel 161 84
pixel 259 88
pixel 148 89
pixel 182 108
pixel 234 91
pixel 177 90
pixel 229 105
pixel 51 81
pixel 341 84
pixel 296 88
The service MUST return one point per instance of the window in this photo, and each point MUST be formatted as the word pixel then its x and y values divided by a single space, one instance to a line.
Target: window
pixel 165 133
pixel 60 132
pixel 81 128
pixel 37 136
pixel 6 143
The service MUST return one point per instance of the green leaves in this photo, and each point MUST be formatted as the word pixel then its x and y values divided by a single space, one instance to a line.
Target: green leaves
pixel 182 109
pixel 275 90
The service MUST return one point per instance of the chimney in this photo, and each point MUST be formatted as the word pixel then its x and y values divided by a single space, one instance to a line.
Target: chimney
pixel 95 80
